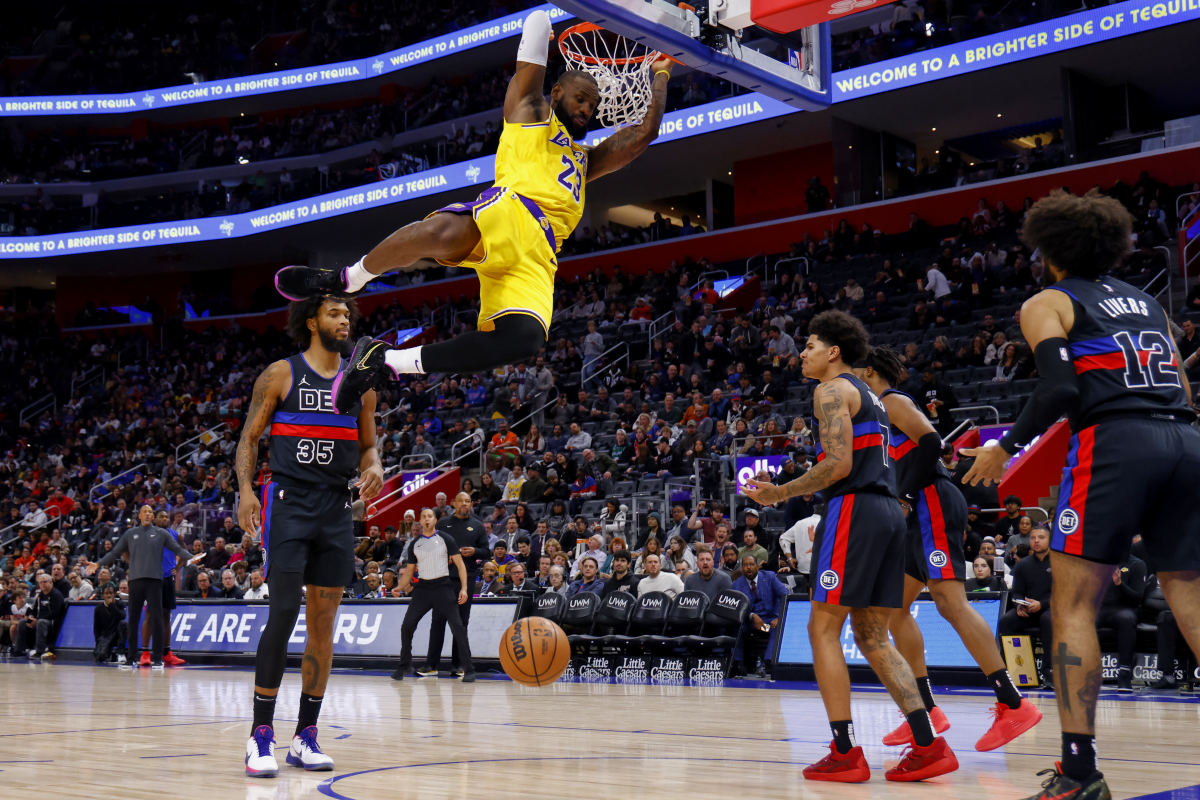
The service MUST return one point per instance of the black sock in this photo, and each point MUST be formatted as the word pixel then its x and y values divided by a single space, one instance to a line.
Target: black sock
pixel 843 735
pixel 1002 685
pixel 310 709
pixel 1078 755
pixel 264 710
pixel 921 726
pixel 926 693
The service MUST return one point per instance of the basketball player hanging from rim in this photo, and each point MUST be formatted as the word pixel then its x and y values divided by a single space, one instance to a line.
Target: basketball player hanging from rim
pixel 858 555
pixel 1106 359
pixel 937 517
pixel 304 515
pixel 510 235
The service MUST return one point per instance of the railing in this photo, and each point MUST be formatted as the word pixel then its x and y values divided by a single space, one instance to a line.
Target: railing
pixel 92 497
pixel 750 269
pixel 373 508
pixel 199 439
pixel 704 276
pixel 1028 509
pixel 657 328
pixel 89 376
pixel 1179 207
pixel 954 434
pixel 588 369
pixel 1166 273
pixel 44 403
pixel 995 411
pixel 795 260
pixel 1190 252
pixel 413 458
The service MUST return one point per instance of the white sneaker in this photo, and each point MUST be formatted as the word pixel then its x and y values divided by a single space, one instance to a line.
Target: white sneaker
pixel 260 753
pixel 305 752
pixel 121 660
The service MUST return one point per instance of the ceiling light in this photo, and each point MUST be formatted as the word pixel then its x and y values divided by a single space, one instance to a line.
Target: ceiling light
pixel 998 116
pixel 934 130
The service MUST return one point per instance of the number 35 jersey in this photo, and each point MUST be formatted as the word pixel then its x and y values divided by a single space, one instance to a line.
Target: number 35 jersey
pixel 1122 352
pixel 541 161
pixel 310 442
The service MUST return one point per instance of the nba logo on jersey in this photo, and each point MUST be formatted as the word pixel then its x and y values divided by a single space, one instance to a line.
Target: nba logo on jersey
pixel 316 400
pixel 937 559
pixel 830 580
pixel 1068 521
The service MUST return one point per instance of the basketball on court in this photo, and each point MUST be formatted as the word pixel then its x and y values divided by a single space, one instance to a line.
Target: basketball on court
pixel 534 652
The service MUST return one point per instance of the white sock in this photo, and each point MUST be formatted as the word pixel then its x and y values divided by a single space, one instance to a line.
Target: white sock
pixel 357 276
pixel 406 361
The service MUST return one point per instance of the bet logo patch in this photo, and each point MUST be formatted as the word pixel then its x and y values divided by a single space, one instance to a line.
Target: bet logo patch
pixel 1068 521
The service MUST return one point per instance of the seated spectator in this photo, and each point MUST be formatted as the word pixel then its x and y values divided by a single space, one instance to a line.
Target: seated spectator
pixel 372 590
pixel 589 577
pixel 584 488
pixel 217 556
pixel 751 547
pixel 1031 594
pixel 80 588
pixel 766 593
pixel 595 550
pixel 621 578
pixel 517 582
pixel 985 579
pixel 534 489
pixel 795 550
pixel 488 492
pixel 258 588
pixel 501 558
pixel 504 447
pixel 657 579
pixel 558 583
pixel 678 552
pixel 579 440
pixel 241 575
pixel 109 626
pixel 729 561
pixel 612 518
pixel 229 589
pixel 707 578
pixel 490 582
pixel 204 589
pixel 1119 610
pixel 1024 529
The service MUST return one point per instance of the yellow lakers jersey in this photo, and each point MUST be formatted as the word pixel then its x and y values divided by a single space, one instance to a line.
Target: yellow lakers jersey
pixel 540 161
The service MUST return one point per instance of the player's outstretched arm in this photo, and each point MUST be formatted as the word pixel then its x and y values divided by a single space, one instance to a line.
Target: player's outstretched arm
pixel 272 384
pixel 832 408
pixel 1046 319
pixel 524 101
pixel 627 144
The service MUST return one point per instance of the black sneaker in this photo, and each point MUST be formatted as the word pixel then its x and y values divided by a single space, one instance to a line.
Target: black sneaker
pixel 456 673
pixel 468 677
pixel 364 369
pixel 1164 684
pixel 301 283
pixel 1059 787
pixel 400 672
pixel 1125 680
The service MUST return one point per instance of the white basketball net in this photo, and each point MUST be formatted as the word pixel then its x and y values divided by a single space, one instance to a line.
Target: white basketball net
pixel 621 68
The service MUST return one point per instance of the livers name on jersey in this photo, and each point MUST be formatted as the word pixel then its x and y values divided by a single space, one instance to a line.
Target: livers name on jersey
pixel 316 400
pixel 1123 306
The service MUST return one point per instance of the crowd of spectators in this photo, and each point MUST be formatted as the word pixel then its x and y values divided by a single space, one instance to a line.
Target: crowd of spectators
pixel 578 450
pixel 151 44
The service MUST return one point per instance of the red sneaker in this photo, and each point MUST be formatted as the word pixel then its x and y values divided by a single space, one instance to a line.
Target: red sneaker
pixel 1009 724
pixel 849 768
pixel 920 763
pixel 144 661
pixel 172 660
pixel 903 735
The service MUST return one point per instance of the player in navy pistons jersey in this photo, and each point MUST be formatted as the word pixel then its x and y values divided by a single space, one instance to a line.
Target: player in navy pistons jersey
pixel 1106 360
pixel 304 515
pixel 937 520
pixel 858 554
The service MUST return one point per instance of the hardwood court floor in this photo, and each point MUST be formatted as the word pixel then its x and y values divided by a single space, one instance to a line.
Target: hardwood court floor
pixel 83 731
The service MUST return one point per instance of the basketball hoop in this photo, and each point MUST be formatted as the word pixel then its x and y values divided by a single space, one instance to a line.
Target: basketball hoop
pixel 620 66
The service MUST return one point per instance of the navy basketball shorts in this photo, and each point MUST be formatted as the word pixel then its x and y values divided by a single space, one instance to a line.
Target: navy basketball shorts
pixel 935 534
pixel 308 529
pixel 1131 475
pixel 858 553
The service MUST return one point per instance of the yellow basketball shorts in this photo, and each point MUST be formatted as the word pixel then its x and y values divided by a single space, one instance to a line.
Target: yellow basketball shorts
pixel 515 258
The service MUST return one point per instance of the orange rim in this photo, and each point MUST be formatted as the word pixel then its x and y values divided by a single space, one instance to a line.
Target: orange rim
pixel 575 56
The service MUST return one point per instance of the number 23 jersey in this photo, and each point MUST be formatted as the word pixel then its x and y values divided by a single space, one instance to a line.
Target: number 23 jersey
pixel 1122 352
pixel 310 442
pixel 541 161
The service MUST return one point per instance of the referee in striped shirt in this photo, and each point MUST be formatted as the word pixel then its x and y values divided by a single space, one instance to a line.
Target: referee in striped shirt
pixel 432 553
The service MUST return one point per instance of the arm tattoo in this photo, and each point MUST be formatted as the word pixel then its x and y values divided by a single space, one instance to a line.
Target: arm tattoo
pixel 832 414
pixel 261 406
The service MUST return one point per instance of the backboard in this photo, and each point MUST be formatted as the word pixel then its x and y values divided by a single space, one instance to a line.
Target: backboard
pixel 724 41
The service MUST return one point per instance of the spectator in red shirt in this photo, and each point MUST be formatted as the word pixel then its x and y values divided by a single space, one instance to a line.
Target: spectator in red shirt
pixel 59 505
